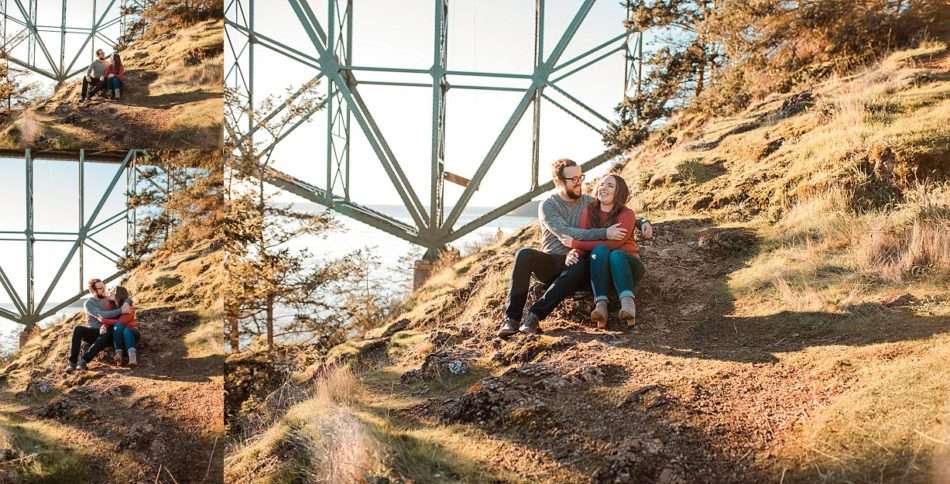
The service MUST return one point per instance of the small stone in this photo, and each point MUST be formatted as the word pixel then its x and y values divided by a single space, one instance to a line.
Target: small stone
pixel 667 476
pixel 905 299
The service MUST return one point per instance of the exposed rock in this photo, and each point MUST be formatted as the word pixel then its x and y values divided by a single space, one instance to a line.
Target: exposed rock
pixel 64 408
pixel 357 352
pixel 492 401
pixel 139 436
pixel 387 330
pixel 41 386
pixel 726 241
pixel 905 299
pixel 637 395
pixel 636 459
pixel 438 366
pixel 795 104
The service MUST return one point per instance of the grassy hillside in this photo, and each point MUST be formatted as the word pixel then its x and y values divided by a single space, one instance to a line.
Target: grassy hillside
pixel 160 422
pixel 793 325
pixel 173 99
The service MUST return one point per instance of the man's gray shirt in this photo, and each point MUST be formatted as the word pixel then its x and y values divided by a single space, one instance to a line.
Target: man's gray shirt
pixel 560 217
pixel 93 307
pixel 96 70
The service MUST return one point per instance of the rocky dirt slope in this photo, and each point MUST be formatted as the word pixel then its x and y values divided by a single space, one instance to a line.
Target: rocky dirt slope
pixel 159 422
pixel 771 344
pixel 173 99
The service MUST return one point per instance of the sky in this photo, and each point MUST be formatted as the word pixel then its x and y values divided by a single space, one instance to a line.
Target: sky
pixel 79 15
pixel 56 205
pixel 484 35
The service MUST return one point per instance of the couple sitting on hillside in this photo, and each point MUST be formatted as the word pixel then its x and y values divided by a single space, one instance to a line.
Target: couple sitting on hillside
pixel 104 73
pixel 586 242
pixel 110 320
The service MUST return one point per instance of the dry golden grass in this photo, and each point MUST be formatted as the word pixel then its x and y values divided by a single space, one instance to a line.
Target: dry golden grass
pixel 316 440
pixel 340 446
pixel 890 425
pixel 338 385
pixel 892 117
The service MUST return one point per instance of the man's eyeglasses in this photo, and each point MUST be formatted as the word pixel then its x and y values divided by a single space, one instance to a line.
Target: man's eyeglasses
pixel 576 179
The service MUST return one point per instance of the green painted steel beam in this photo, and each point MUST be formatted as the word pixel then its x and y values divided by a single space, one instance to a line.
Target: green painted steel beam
pixel 30 276
pixel 366 215
pixel 521 200
pixel 357 106
pixel 431 229
pixel 539 79
pixel 85 229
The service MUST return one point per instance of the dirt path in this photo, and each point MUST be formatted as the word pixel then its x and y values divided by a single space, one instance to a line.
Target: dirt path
pixel 693 393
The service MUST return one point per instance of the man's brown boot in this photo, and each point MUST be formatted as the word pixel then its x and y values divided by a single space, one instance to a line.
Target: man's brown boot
pixel 530 324
pixel 508 328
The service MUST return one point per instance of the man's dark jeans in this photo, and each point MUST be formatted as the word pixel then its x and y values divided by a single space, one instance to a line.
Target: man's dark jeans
pixel 562 281
pixel 96 86
pixel 89 335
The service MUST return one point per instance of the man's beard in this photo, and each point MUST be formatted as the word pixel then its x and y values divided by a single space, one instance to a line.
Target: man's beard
pixel 575 193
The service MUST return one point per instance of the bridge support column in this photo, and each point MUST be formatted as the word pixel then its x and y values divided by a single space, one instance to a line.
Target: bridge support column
pixel 421 272
pixel 423 268
pixel 28 333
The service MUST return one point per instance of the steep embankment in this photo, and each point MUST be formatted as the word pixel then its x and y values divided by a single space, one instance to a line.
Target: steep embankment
pixel 793 326
pixel 173 99
pixel 159 422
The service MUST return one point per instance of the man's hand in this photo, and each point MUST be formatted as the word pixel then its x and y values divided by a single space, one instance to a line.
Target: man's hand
pixel 572 258
pixel 616 232
pixel 103 329
pixel 126 309
pixel 567 240
pixel 647 231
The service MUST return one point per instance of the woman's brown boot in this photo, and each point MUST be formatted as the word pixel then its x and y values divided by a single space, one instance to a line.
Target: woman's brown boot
pixel 628 310
pixel 599 314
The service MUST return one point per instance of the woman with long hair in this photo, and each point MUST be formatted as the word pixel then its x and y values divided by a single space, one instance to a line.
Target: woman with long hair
pixel 612 262
pixel 115 76
pixel 125 328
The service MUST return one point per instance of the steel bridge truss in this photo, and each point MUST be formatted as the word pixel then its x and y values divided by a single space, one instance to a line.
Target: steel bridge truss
pixel 29 309
pixel 344 105
pixel 21 27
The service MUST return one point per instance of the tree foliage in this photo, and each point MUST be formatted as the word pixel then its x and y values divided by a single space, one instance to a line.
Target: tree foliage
pixel 321 297
pixel 14 89
pixel 179 202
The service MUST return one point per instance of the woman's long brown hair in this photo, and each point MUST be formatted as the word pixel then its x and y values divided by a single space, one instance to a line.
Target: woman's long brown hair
pixel 121 295
pixel 621 195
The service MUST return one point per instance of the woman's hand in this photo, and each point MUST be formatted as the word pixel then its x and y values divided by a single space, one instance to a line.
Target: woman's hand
pixel 567 240
pixel 572 258
pixel 647 231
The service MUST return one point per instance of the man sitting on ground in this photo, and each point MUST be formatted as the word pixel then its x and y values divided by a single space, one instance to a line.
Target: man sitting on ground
pixel 559 215
pixel 95 76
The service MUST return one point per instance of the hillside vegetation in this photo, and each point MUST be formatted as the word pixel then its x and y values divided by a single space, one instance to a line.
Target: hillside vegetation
pixel 793 325
pixel 113 424
pixel 172 98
